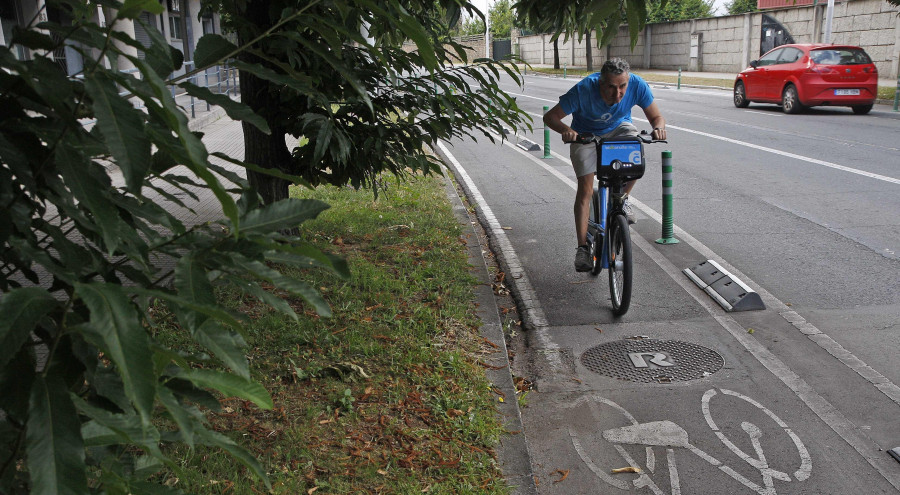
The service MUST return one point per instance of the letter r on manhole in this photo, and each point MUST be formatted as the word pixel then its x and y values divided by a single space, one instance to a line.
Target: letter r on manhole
pixel 657 358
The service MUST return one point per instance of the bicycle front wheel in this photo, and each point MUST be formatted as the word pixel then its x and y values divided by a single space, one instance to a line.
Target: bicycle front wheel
pixel 620 264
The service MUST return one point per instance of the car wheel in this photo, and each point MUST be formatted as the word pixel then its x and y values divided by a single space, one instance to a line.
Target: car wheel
pixel 861 109
pixel 740 95
pixel 789 100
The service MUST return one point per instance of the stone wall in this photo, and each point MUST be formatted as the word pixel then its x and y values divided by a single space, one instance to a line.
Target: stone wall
pixel 728 43
pixel 474 46
pixel 670 45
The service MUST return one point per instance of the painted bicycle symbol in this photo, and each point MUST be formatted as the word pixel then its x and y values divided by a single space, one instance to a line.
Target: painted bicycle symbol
pixel 671 436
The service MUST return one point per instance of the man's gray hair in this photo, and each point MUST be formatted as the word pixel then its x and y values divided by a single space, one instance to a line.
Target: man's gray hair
pixel 614 66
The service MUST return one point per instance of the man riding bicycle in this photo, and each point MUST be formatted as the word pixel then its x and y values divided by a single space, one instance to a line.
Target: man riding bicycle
pixel 600 104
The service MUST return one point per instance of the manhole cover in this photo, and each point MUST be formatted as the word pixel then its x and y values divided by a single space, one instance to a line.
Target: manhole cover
pixel 652 361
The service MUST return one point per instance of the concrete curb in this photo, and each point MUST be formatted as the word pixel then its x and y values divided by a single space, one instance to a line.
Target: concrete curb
pixel 513 453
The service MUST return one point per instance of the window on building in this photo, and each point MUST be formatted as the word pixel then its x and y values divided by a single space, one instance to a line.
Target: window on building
pixel 175 26
pixel 208 26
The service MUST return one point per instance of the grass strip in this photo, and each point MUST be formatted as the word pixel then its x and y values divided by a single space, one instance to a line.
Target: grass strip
pixel 387 396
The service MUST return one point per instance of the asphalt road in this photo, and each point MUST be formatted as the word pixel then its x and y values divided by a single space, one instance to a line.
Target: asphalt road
pixel 799 398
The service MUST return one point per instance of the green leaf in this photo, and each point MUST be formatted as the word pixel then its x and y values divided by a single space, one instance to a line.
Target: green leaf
pixel 415 31
pixel 187 390
pixel 180 413
pixel 15 384
pixel 636 14
pixel 213 311
pixel 20 311
pixel 230 385
pixel 123 127
pixel 215 439
pixel 53 443
pixel 267 297
pixel 274 172
pixel 192 284
pixel 115 327
pixel 162 57
pixel 299 82
pixel 289 284
pixel 91 193
pixel 234 109
pixel 133 8
pixel 212 48
pixel 227 345
pixel 108 428
pixel 284 214
pixel 97 435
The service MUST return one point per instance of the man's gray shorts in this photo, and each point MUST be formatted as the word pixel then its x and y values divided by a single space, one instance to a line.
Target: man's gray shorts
pixel 584 156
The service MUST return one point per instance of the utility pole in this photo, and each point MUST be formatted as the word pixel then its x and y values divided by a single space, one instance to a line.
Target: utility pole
pixel 487 31
pixel 829 16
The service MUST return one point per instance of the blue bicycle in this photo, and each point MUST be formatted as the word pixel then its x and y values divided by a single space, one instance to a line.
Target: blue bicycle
pixel 619 160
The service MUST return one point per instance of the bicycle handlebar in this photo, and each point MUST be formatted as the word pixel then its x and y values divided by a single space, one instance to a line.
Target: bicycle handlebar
pixel 590 138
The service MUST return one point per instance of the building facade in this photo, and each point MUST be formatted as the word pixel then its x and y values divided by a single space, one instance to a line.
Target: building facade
pixel 179 23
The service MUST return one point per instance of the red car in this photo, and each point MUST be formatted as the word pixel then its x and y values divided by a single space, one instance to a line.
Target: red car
pixel 805 75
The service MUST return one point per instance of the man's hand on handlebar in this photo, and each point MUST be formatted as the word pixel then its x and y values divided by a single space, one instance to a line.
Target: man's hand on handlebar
pixel 569 136
pixel 659 134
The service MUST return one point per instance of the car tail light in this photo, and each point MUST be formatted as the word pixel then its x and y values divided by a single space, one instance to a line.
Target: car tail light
pixel 819 69
pixel 872 70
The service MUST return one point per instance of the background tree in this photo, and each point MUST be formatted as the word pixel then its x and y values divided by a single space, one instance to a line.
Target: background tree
pixel 665 11
pixel 588 51
pixel 502 19
pixel 317 79
pixel 469 26
pixel 736 7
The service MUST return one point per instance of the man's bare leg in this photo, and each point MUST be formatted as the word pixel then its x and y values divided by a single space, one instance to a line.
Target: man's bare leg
pixel 583 206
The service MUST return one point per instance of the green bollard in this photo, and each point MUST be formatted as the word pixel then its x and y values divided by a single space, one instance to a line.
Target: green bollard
pixel 565 69
pixel 897 94
pixel 668 234
pixel 679 78
pixel 546 136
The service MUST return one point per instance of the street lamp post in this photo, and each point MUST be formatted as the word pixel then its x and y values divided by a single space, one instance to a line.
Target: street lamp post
pixel 487 32
pixel 829 16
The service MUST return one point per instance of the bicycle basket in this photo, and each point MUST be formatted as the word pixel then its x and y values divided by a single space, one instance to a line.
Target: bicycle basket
pixel 620 159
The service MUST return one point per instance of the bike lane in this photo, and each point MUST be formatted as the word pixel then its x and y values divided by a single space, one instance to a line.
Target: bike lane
pixel 677 388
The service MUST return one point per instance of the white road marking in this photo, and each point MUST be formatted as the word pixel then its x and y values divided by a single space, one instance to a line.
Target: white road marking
pixel 787 154
pixel 670 435
pixel 821 407
pixel 516 272
pixel 767 114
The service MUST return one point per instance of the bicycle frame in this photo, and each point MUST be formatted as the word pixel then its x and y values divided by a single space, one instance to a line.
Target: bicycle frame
pixel 599 228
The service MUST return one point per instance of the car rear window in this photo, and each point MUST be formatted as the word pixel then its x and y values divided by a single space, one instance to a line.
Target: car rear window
pixel 840 56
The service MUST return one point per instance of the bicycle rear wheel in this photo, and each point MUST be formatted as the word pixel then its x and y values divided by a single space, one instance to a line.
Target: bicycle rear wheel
pixel 620 264
pixel 597 242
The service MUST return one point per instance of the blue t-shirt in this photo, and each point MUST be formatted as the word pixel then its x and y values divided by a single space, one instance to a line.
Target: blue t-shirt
pixel 590 114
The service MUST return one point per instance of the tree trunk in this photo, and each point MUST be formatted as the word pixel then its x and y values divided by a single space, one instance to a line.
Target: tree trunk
pixel 556 54
pixel 589 52
pixel 266 151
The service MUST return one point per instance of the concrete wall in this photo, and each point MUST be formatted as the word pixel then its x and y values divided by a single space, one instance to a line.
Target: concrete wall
pixel 728 43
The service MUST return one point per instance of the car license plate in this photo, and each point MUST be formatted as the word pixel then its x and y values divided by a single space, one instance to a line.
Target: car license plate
pixel 846 92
